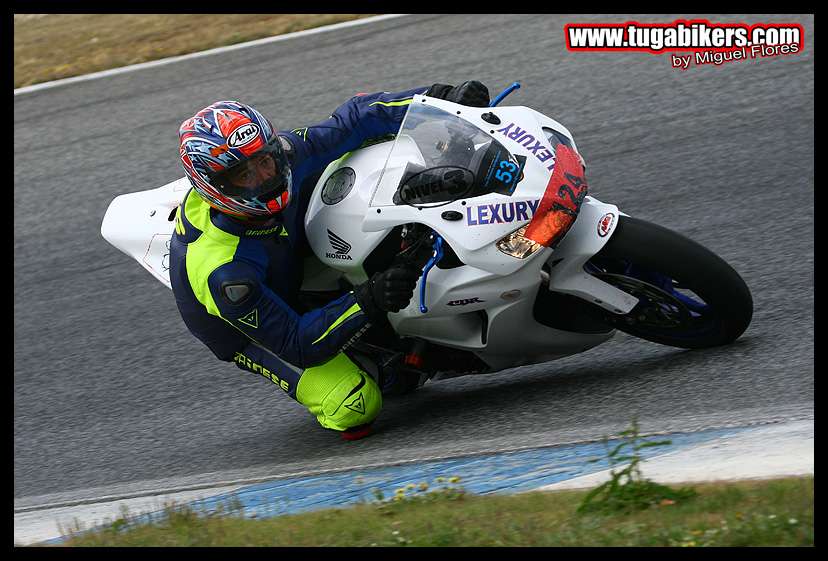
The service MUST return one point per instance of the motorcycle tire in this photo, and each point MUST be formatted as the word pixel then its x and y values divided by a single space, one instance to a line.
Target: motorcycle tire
pixel 689 297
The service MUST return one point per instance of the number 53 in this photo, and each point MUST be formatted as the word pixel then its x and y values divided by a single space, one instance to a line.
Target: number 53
pixel 506 176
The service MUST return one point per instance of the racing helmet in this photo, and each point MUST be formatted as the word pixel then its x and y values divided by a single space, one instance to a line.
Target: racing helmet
pixel 235 161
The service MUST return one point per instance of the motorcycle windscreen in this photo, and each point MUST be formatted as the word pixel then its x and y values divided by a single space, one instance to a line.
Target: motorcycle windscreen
pixel 438 158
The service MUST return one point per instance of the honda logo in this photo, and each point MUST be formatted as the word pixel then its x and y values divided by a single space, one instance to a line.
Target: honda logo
pixel 340 246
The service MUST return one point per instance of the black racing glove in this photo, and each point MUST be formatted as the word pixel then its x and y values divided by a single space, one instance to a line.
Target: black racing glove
pixel 471 93
pixel 389 291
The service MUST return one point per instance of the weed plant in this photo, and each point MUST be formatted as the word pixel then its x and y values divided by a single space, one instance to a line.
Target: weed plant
pixel 628 490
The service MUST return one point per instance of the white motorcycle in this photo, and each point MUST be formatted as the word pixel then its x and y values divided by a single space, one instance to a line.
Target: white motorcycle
pixel 520 266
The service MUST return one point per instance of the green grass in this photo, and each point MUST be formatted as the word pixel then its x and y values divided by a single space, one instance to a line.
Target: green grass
pixel 753 513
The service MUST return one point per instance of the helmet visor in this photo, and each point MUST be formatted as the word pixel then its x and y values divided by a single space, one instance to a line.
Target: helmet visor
pixel 265 172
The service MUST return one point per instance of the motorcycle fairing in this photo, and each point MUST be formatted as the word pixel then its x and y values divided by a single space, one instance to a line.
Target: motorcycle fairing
pixel 561 201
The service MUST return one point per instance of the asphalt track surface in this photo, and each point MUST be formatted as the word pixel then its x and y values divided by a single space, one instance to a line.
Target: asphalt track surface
pixel 112 394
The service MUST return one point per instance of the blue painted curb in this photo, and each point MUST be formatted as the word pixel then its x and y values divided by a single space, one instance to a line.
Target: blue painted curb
pixel 509 472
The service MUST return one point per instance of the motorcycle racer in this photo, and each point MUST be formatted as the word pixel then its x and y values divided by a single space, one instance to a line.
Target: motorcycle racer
pixel 236 255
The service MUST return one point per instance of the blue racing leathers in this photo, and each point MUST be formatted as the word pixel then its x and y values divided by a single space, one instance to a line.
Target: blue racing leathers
pixel 236 284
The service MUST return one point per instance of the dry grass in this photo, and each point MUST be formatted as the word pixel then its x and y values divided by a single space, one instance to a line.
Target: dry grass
pixel 53 46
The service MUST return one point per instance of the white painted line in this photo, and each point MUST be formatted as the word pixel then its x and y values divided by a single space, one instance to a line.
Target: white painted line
pixel 160 62
pixel 761 453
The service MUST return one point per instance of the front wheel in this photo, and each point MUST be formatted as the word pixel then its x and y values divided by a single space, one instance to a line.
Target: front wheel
pixel 688 296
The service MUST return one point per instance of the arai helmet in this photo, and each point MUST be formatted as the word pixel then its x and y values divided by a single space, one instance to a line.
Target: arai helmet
pixel 234 160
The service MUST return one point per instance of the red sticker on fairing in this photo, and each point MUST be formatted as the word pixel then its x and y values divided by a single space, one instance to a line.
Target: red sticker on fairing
pixel 605 224
pixel 561 201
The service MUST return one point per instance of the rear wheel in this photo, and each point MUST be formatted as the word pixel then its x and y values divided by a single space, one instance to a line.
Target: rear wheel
pixel 688 296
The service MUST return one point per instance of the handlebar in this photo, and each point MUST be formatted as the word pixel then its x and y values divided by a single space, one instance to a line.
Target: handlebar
pixel 504 93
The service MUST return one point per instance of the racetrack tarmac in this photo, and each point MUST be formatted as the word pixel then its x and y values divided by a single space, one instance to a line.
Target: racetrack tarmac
pixel 112 393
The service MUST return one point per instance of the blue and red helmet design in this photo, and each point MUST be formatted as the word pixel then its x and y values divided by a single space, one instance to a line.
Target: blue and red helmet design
pixel 221 136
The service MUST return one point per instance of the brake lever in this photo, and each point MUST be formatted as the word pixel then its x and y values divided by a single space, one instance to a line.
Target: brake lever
pixel 437 254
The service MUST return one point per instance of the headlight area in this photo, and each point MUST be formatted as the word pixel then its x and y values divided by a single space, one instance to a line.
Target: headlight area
pixel 518 246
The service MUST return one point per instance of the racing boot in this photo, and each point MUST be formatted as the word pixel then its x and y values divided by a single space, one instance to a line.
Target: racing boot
pixel 399 380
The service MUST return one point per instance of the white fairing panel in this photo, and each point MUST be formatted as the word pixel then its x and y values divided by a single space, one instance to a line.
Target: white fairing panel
pixel 140 225
pixel 335 231
pixel 592 229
